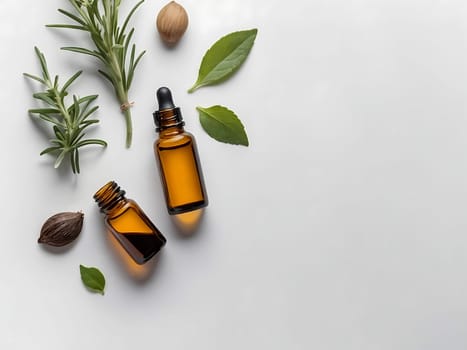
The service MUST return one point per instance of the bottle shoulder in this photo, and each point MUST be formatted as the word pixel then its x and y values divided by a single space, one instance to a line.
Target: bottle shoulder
pixel 174 140
pixel 121 208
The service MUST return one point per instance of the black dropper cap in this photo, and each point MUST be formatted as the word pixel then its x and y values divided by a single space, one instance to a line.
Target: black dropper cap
pixel 171 115
pixel 164 98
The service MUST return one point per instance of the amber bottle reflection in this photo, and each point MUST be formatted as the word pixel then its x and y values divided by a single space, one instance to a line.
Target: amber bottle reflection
pixel 177 158
pixel 128 223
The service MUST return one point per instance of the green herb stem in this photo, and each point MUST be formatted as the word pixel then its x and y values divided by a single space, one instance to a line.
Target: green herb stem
pixel 69 123
pixel 129 126
pixel 112 46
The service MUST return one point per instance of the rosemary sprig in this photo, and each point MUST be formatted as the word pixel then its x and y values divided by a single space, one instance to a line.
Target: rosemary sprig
pixel 69 122
pixel 112 46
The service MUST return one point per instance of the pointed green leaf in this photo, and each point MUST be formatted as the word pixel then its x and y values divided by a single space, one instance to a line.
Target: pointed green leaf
pixel 33 77
pixel 52 120
pixel 92 142
pixel 72 16
pixel 50 149
pixel 92 278
pixel 86 113
pixel 224 58
pixel 89 98
pixel 70 81
pixel 43 110
pixel 133 64
pixel 127 19
pixel 82 51
pixel 73 161
pixel 43 63
pixel 44 96
pixel 67 26
pixel 59 159
pixel 106 75
pixel 223 125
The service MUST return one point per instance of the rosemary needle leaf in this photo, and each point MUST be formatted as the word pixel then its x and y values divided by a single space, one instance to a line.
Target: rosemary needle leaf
pixel 59 160
pixel 73 17
pixel 70 81
pixel 82 51
pixel 69 122
pixel 112 45
pixel 33 77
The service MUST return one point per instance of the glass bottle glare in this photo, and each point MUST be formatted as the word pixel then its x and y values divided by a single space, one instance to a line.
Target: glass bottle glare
pixel 177 157
pixel 128 223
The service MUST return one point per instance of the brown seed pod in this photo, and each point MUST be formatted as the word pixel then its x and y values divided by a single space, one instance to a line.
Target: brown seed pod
pixel 172 22
pixel 61 229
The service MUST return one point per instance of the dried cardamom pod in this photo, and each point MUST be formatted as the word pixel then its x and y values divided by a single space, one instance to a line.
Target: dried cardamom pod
pixel 61 229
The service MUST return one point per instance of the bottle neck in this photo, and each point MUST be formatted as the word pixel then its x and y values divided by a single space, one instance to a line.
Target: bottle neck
pixel 169 119
pixel 110 197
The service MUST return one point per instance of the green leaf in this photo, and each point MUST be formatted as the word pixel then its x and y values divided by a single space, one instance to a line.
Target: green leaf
pixel 43 110
pixel 33 77
pixel 107 76
pixel 51 120
pixel 44 96
pixel 73 17
pixel 43 62
pixel 92 278
pixel 50 149
pixel 224 58
pixel 127 19
pixel 223 125
pixel 82 51
pixel 59 159
pixel 92 142
pixel 70 81
pixel 68 26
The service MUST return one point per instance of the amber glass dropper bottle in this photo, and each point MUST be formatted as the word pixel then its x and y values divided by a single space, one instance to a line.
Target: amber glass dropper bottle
pixel 177 158
pixel 128 223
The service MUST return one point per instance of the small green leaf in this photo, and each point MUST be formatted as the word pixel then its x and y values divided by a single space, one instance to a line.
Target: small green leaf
pixel 59 159
pixel 70 81
pixel 223 125
pixel 82 51
pixel 224 58
pixel 92 278
pixel 33 77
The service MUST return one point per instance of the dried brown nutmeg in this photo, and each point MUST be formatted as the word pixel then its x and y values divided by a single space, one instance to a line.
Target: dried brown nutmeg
pixel 61 229
pixel 172 22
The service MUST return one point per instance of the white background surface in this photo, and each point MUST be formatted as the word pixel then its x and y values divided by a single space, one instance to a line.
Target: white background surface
pixel 342 226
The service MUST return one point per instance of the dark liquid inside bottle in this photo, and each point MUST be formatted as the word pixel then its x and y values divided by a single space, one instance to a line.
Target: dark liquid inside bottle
pixel 137 234
pixel 129 224
pixel 141 245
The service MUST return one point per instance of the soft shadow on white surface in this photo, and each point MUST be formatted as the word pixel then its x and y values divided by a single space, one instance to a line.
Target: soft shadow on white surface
pixel 138 273
pixel 188 224
pixel 342 226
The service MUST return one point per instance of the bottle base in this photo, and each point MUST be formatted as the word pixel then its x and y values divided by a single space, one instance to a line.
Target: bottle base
pixel 187 207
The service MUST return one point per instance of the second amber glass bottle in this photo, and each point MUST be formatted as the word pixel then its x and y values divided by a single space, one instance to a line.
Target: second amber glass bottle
pixel 128 223
pixel 177 157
